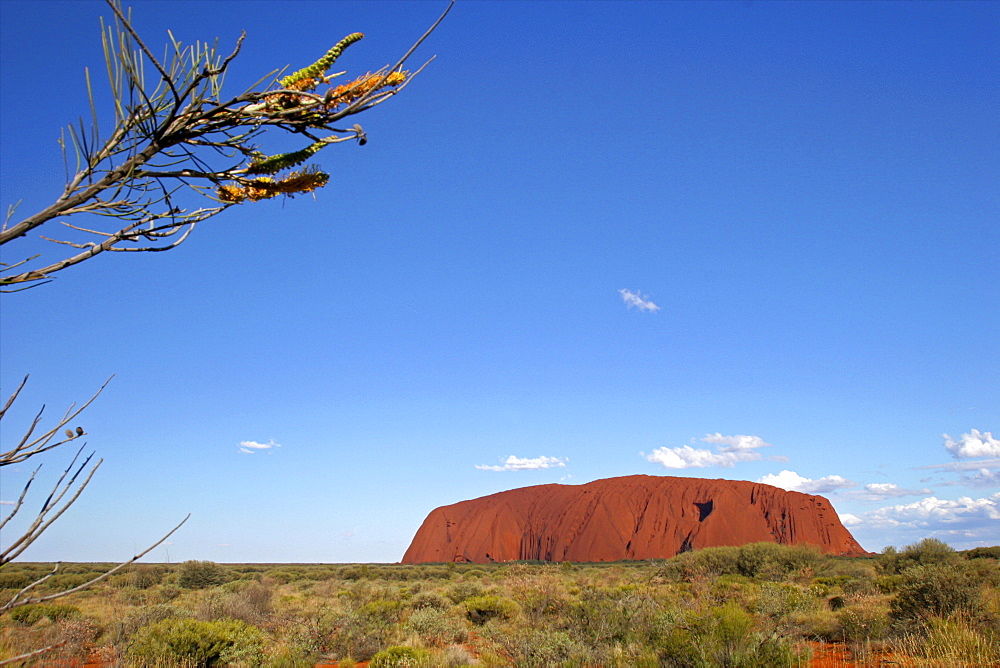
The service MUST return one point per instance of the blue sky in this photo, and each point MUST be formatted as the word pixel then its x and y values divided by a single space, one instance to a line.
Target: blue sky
pixel 752 241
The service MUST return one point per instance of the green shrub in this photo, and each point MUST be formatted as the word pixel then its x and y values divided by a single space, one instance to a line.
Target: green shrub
pixel 359 636
pixel 774 562
pixel 128 624
pixel 778 600
pixel 245 600
pixel 935 590
pixel 140 576
pixel 725 636
pixel 460 591
pixel 481 609
pixel 429 599
pixel 16 579
pixel 437 627
pixel 194 642
pixel 201 574
pixel 704 563
pixel 983 553
pixel 63 581
pixel 864 620
pixel 927 552
pixel 387 610
pixel 536 646
pixel 33 612
pixel 400 656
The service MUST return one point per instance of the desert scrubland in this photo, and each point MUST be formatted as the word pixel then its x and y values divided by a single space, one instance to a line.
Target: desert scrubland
pixel 757 605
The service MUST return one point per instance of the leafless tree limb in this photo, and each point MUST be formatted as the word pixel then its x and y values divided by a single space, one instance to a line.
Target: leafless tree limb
pixel 32 654
pixel 18 599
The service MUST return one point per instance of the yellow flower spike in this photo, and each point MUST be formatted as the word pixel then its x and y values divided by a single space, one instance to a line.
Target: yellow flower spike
pixel 230 193
pixel 303 181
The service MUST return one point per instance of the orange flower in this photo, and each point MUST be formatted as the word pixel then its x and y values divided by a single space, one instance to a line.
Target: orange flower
pixel 265 187
pixel 347 93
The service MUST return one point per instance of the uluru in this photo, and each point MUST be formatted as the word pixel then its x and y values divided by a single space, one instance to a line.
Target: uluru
pixel 632 517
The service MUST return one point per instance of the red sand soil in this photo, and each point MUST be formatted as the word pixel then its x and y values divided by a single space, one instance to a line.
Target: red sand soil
pixel 632 517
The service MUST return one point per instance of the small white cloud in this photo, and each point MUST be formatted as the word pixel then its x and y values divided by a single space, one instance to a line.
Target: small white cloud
pixel 737 443
pixel 850 519
pixel 513 463
pixel 250 447
pixel 635 300
pixel 973 444
pixel 729 451
pixel 6 503
pixel 794 482
pixel 879 491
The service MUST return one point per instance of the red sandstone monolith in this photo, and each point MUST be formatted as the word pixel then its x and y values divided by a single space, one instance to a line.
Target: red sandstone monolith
pixel 632 517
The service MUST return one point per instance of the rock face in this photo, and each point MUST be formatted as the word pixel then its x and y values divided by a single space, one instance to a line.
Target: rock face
pixel 633 517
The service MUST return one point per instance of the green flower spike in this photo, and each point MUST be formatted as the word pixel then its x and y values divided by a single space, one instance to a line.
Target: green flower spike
pixel 276 163
pixel 316 70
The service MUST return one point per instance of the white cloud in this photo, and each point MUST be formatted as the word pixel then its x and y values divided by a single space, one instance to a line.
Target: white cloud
pixel 983 478
pixel 250 447
pixel 963 466
pixel 513 463
pixel 878 491
pixel 794 482
pixel 729 451
pixel 932 513
pixel 737 443
pixel 641 302
pixel 850 520
pixel 6 503
pixel 973 444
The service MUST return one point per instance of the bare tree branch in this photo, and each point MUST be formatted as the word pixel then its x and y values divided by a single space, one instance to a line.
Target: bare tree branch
pixel 19 601
pixel 29 447
pixel 30 655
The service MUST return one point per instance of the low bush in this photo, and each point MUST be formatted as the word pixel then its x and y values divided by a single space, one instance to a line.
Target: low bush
pixel 929 551
pixel 935 590
pixel 194 642
pixel 438 627
pixel 864 619
pixel 535 646
pixel 398 656
pixel 34 612
pixel 481 609
pixel 246 600
pixel 201 574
